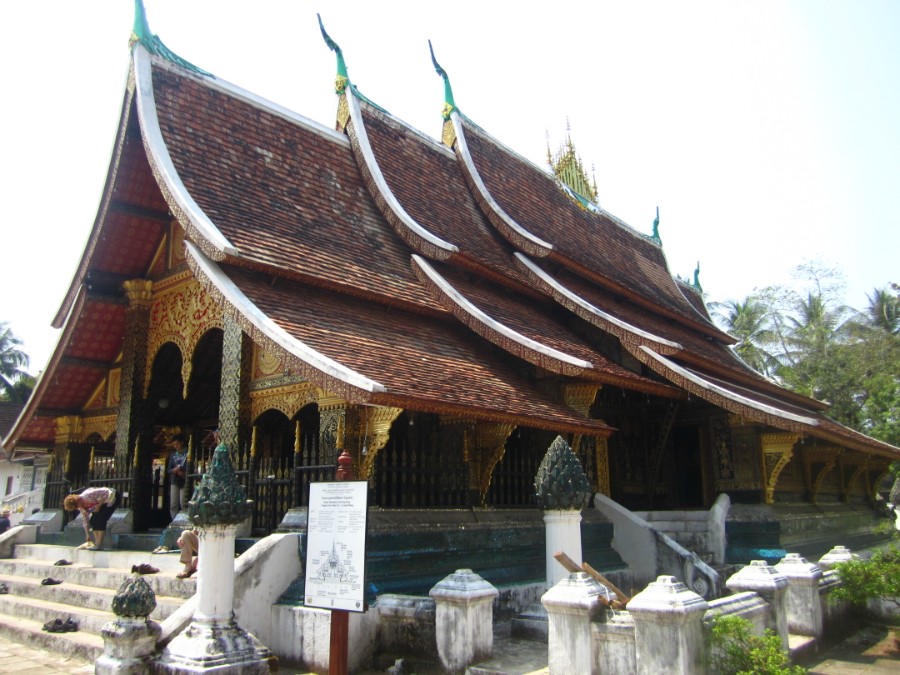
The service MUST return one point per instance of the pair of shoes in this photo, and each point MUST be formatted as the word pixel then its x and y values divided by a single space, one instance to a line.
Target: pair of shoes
pixel 87 544
pixel 185 575
pixel 60 626
pixel 161 549
pixel 144 568
pixel 49 581
pixel 4 589
pixel 61 563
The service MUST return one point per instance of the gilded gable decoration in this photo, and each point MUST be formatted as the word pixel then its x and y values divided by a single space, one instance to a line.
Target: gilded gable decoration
pixel 180 315
pixel 102 425
pixel 289 399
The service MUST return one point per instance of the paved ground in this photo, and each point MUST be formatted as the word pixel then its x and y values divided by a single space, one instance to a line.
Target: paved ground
pixel 874 650
pixel 23 660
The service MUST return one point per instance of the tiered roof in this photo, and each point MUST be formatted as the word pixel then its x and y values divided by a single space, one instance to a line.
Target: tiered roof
pixel 389 268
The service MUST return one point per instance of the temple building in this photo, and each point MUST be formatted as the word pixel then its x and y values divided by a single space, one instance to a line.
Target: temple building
pixel 443 309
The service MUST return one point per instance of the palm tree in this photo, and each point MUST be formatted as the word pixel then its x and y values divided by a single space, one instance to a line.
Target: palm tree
pixel 750 322
pixel 13 362
pixel 884 309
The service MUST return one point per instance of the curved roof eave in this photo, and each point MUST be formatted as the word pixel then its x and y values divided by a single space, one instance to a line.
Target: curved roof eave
pixel 410 230
pixel 195 222
pixel 491 329
pixel 591 313
pixel 330 374
pixel 722 397
pixel 509 228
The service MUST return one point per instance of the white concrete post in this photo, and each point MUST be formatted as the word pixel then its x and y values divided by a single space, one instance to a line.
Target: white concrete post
pixel 129 646
pixel 668 628
pixel 464 619
pixel 804 606
pixel 836 555
pixel 571 604
pixel 762 578
pixel 215 574
pixel 563 533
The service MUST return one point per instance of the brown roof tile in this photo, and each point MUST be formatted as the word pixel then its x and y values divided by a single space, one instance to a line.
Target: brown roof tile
pixel 434 364
pixel 426 181
pixel 594 244
pixel 288 196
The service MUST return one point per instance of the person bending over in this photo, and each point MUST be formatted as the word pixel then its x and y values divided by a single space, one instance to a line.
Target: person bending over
pixel 96 506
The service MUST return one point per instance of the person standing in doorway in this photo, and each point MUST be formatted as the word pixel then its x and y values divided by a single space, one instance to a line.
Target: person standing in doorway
pixel 177 475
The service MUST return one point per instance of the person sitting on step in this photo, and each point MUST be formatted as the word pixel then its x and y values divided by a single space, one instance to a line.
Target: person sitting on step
pixel 189 543
pixel 97 505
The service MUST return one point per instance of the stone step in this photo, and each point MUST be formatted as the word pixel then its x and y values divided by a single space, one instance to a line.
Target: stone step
pixel 42 611
pixel 164 583
pixel 83 645
pixel 105 558
pixel 76 595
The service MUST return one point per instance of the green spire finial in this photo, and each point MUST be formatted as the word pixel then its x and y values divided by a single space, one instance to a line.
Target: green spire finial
pixel 697 278
pixel 655 236
pixel 140 34
pixel 219 499
pixel 560 483
pixel 449 103
pixel 141 30
pixel 341 79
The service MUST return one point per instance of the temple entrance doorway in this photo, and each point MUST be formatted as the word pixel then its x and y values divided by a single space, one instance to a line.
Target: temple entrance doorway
pixel 174 408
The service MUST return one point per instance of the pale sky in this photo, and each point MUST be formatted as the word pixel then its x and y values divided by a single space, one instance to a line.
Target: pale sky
pixel 767 132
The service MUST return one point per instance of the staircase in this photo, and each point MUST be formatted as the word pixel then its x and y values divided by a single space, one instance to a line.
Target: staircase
pixel 688 528
pixel 85 594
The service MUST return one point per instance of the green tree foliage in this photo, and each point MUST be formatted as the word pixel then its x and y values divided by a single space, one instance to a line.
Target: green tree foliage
pixel 733 649
pixel 15 383
pixel 875 578
pixel 751 322
pixel 804 337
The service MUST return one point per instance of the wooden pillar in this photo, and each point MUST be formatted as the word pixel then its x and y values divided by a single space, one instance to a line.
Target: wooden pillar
pixel 132 413
pixel 234 397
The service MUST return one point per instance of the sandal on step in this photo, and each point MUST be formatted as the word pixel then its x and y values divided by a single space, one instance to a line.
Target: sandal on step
pixel 185 575
pixel 144 568
pixel 62 563
pixel 4 589
pixel 49 581
pixel 55 626
pixel 69 626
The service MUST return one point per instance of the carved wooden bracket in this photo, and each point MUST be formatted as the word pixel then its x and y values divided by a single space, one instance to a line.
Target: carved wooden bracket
pixel 859 464
pixel 376 432
pixel 826 456
pixel 777 450
pixel 490 441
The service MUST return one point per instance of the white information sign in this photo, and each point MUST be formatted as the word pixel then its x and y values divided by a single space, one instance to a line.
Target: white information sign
pixel 336 545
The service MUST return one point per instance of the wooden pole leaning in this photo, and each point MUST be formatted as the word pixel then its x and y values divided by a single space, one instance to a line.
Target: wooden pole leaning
pixel 572 566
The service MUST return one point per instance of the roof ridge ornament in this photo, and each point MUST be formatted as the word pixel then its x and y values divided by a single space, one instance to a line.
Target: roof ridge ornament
pixel 655 235
pixel 449 103
pixel 341 80
pixel 141 34
pixel 696 282
pixel 571 174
